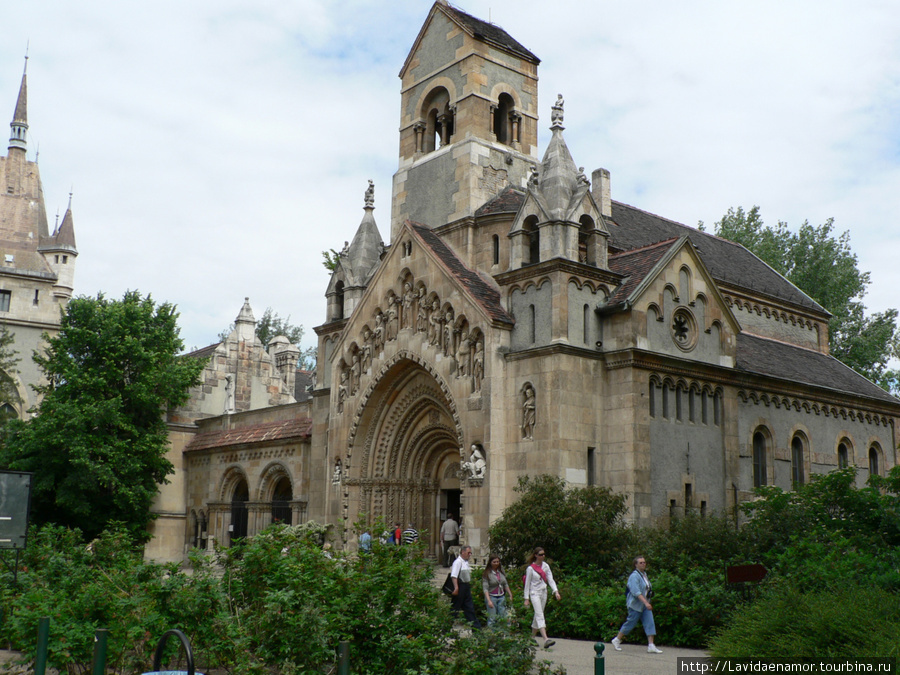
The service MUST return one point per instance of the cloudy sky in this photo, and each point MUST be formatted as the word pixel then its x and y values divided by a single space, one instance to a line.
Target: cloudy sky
pixel 215 148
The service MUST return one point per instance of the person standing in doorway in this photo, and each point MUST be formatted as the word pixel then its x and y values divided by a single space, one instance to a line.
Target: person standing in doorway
pixel 461 574
pixel 450 537
pixel 637 599
pixel 537 578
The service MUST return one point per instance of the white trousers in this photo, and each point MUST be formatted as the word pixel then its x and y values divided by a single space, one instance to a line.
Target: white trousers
pixel 538 602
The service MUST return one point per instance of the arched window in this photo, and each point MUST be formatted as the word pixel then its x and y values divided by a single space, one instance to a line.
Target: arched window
pixel 874 464
pixel 339 301
pixel 759 460
pixel 502 124
pixel 703 407
pixel 679 403
pixel 717 409
pixel 438 120
pixel 652 392
pixel 534 239
pixel 239 499
pixel 281 501
pixel 533 324
pixel 586 319
pixel 843 455
pixel 585 239
pixel 496 241
pixel 797 460
pixel 666 404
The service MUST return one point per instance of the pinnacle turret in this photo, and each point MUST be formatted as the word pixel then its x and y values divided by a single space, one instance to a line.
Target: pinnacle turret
pixel 19 124
pixel 367 245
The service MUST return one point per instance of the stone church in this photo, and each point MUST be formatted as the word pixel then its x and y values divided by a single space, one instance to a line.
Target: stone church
pixel 520 321
pixel 37 266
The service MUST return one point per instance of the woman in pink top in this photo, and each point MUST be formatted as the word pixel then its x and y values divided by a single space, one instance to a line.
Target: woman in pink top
pixel 537 578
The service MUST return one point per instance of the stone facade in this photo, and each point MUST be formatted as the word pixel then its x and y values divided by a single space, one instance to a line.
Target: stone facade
pixel 37 266
pixel 523 322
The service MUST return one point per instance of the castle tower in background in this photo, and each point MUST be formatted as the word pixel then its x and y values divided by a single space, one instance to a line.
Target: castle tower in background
pixel 37 267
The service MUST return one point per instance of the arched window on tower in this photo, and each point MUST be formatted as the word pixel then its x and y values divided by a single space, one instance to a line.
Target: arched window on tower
pixel 502 121
pixel 534 239
pixel 339 301
pixel 585 239
pixel 797 460
pixel 438 117
pixel 496 241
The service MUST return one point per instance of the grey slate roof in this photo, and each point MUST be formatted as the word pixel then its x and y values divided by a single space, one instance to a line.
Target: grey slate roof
pixel 728 262
pixel 490 33
pixel 772 358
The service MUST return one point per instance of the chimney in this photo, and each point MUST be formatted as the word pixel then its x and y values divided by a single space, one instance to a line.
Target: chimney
pixel 601 192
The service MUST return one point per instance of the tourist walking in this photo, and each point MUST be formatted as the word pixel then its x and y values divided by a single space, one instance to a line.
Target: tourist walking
pixel 537 578
pixel 410 534
pixel 461 574
pixel 637 599
pixel 496 590
pixel 365 542
pixel 449 536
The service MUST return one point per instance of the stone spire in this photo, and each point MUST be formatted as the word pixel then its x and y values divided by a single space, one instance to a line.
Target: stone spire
pixel 245 323
pixel 19 124
pixel 560 185
pixel 365 250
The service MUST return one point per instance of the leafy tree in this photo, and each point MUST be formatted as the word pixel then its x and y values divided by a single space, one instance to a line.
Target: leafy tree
pixel 9 394
pixel 823 266
pixel 98 444
pixel 330 259
pixel 271 325
pixel 581 528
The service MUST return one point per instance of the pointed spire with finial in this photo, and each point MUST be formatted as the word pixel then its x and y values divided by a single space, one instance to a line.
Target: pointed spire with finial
pixel 559 175
pixel 367 245
pixel 19 124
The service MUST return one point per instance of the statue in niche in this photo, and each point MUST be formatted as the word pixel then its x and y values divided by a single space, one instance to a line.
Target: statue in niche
pixel 447 346
pixel 476 466
pixel 355 369
pixel 409 297
pixel 392 319
pixel 342 390
pixel 378 341
pixel 463 352
pixel 434 335
pixel 367 350
pixel 422 313
pixel 529 412
pixel 478 364
pixel 337 473
pixel 229 393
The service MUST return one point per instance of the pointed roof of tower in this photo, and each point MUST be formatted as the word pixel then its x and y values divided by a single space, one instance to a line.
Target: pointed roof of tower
pixel 21 113
pixel 65 235
pixel 365 250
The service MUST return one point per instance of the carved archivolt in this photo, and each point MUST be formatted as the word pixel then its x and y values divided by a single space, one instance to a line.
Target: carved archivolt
pixel 413 309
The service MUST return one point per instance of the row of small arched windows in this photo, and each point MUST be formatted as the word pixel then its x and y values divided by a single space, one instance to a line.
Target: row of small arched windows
pixel 799 453
pixel 681 404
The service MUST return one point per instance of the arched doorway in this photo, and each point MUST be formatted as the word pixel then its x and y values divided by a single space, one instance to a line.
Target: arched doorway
pixel 404 463
pixel 239 513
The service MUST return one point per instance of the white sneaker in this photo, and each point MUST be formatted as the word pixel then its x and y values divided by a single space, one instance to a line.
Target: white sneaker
pixel 653 649
pixel 617 643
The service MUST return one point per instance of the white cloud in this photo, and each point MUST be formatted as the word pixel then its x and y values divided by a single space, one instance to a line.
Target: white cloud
pixel 216 148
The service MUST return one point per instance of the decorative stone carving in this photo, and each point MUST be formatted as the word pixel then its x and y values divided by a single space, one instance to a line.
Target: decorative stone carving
pixel 556 113
pixel 478 364
pixel 337 473
pixel 434 324
pixel 422 312
pixel 342 390
pixel 447 344
pixel 408 300
pixel 370 195
pixel 229 393
pixel 379 331
pixel 368 346
pixel 476 466
pixel 463 353
pixel 355 371
pixel 393 319
pixel 528 411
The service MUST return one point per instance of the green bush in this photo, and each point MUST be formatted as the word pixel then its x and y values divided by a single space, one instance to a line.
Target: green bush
pixel 784 623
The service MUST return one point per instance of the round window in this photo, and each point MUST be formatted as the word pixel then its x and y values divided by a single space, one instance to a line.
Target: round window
pixel 684 329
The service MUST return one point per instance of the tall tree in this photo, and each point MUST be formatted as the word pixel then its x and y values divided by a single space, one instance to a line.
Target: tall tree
pixel 98 444
pixel 9 360
pixel 824 267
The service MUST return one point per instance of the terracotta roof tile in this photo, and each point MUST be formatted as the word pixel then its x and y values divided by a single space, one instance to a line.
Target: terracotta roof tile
pixel 257 433
pixel 508 201
pixel 635 265
pixel 479 290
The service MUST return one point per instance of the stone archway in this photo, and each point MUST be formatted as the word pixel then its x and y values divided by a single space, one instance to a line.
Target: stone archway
pixel 408 433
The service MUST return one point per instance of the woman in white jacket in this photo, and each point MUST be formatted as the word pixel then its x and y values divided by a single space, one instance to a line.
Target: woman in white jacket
pixel 537 578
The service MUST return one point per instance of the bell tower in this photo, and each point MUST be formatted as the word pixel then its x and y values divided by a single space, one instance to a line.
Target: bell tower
pixel 468 118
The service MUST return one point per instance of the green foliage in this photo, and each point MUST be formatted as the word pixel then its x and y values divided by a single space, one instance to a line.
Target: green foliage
pixel 581 528
pixel 330 259
pixel 98 444
pixel 824 267
pixel 9 360
pixel 709 542
pixel 277 604
pixel 854 622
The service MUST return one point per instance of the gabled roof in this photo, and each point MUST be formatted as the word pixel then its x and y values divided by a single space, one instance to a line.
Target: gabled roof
pixel 477 29
pixel 256 433
pixel 631 228
pixel 772 358
pixel 479 290
pixel 634 266
pixel 203 352
pixel 508 201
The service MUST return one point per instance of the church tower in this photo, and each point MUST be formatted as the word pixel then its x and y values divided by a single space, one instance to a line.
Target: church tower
pixel 468 119
pixel 37 268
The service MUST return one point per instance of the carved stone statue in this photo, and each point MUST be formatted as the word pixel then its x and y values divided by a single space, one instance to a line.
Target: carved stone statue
pixel 462 353
pixel 408 297
pixel 355 371
pixel 476 466
pixel 370 195
pixel 229 393
pixel 422 313
pixel 338 471
pixel 368 340
pixel 447 346
pixel 434 333
pixel 556 112
pixel 581 178
pixel 478 364
pixel 342 390
pixel 528 412
pixel 378 342
pixel 392 319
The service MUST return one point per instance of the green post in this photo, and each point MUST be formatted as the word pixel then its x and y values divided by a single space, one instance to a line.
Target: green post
pixel 599 661
pixel 344 658
pixel 40 659
pixel 100 638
